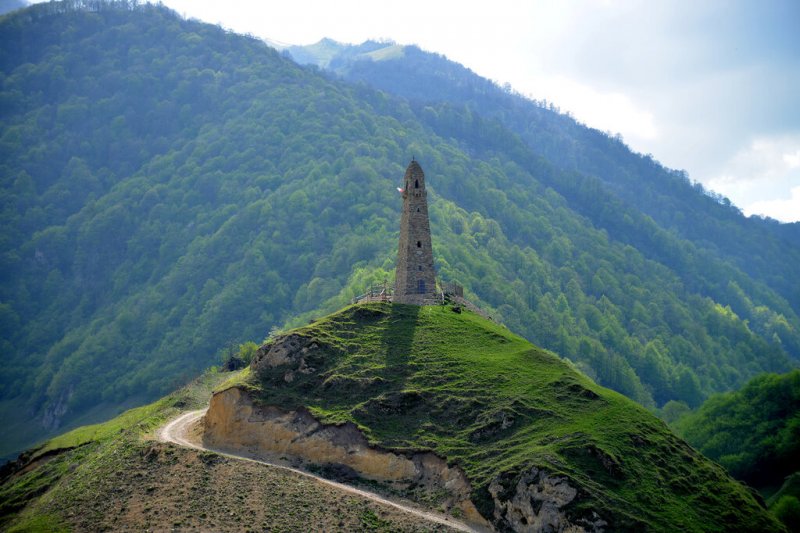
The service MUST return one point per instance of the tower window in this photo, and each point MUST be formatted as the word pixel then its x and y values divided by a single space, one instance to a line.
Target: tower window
pixel 421 286
pixel 418 210
pixel 416 184
pixel 419 268
pixel 419 244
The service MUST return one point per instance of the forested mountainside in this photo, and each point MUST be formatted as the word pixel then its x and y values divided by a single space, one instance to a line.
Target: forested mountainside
pixel 765 249
pixel 170 188
pixel 754 432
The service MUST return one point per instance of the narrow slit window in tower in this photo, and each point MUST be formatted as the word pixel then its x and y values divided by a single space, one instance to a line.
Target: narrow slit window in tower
pixel 419 244
pixel 416 184
pixel 421 286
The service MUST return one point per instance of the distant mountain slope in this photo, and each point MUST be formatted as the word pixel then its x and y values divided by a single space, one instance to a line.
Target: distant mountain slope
pixel 543 448
pixel 11 5
pixel 754 432
pixel 170 188
pixel 766 250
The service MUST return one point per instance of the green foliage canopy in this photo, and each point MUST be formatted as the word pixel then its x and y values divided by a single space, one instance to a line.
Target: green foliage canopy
pixel 753 432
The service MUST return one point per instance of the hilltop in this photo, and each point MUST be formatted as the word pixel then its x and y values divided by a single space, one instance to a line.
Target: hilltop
pixel 539 442
pixel 171 189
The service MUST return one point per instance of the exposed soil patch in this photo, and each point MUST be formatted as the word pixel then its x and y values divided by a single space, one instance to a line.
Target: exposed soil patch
pixel 165 488
pixel 234 424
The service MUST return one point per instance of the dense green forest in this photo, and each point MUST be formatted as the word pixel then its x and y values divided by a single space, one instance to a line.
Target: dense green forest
pixel 754 433
pixel 170 188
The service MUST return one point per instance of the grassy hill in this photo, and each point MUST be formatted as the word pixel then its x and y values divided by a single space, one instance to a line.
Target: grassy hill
pixel 431 378
pixel 411 378
pixel 169 189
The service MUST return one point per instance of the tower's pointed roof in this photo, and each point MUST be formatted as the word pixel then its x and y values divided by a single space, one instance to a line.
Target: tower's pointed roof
pixel 414 171
pixel 414 166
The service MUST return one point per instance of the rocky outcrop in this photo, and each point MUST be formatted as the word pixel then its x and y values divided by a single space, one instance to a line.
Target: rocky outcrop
pixel 297 353
pixel 534 501
pixel 55 411
pixel 234 423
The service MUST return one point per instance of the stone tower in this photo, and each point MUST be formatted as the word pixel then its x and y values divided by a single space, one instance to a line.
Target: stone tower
pixel 415 280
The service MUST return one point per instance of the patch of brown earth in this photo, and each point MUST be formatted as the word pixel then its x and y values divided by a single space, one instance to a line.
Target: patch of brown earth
pixel 161 487
pixel 233 423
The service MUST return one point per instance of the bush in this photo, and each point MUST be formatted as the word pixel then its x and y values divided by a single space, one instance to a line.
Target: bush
pixel 787 510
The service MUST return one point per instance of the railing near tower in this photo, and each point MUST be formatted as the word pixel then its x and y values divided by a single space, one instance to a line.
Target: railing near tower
pixel 451 289
pixel 376 293
pixel 454 293
pixel 446 292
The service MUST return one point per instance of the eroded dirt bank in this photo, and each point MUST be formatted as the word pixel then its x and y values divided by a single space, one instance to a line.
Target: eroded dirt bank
pixel 532 501
pixel 233 423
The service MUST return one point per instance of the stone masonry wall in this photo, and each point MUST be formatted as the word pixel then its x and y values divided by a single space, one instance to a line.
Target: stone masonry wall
pixel 415 279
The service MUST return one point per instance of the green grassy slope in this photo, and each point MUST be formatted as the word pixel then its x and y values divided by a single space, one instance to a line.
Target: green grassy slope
pixel 50 480
pixel 468 389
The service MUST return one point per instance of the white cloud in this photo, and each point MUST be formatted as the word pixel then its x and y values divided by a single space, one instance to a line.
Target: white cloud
pixel 764 159
pixel 793 160
pixel 764 178
pixel 611 111
pixel 786 210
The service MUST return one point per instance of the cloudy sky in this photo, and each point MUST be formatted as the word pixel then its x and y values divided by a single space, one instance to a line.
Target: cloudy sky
pixel 708 86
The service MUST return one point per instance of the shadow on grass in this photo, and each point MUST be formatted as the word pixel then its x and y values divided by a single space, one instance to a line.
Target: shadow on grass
pixel 398 337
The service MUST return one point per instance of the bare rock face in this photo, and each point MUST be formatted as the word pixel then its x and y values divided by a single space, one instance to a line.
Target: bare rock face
pixel 54 413
pixel 534 502
pixel 295 352
pixel 234 423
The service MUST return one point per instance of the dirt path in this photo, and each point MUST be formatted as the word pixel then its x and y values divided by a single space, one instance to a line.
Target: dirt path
pixel 177 431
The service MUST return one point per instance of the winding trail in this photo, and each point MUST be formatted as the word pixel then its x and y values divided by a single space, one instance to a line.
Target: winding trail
pixel 177 431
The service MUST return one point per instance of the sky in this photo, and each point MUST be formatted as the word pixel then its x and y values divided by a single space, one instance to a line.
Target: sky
pixel 706 86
